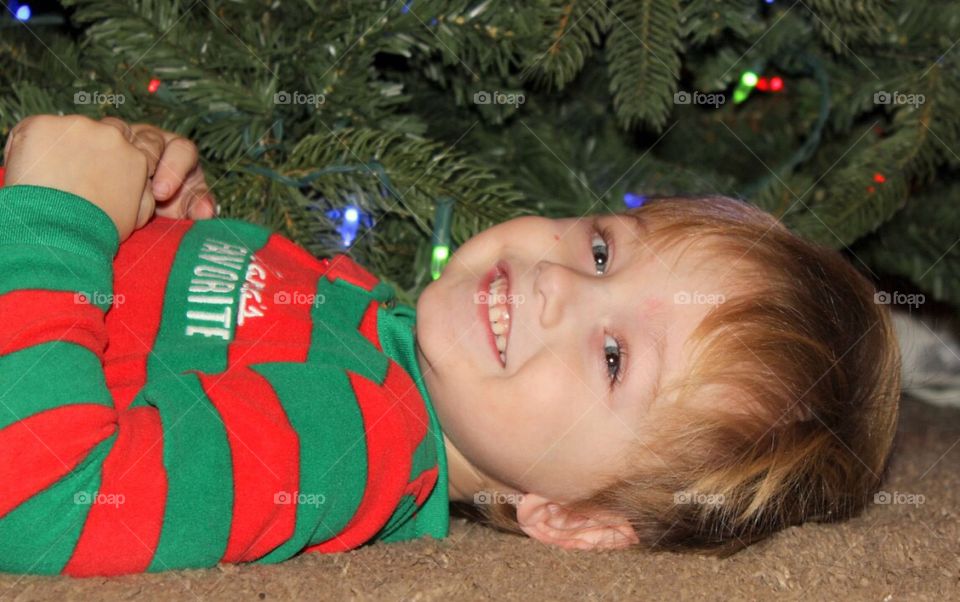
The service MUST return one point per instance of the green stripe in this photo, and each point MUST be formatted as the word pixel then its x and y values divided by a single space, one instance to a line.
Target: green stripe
pixel 321 406
pixel 38 215
pixel 40 535
pixel 55 240
pixel 209 354
pixel 335 333
pixel 196 456
pixel 396 329
pixel 400 527
pixel 47 376
pixel 51 269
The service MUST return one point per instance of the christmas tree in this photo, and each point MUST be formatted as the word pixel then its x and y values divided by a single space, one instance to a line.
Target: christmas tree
pixel 380 128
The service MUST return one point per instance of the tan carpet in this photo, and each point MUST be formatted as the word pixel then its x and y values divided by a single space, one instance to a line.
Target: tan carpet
pixel 891 552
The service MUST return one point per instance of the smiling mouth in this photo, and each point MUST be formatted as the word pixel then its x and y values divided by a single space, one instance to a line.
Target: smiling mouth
pixel 498 312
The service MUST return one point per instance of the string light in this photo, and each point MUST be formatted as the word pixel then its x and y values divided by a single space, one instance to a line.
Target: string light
pixel 633 200
pixel 153 86
pixel 441 239
pixel 351 219
pixel 748 79
pixel 23 13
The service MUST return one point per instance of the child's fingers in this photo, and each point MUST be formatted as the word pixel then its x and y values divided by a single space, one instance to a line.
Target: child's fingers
pixel 147 206
pixel 205 208
pixel 151 144
pixel 202 202
pixel 180 157
pixel 178 161
pixel 121 125
pixel 191 201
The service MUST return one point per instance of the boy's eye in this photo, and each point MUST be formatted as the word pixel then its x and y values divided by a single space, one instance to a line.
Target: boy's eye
pixel 599 244
pixel 614 349
pixel 613 353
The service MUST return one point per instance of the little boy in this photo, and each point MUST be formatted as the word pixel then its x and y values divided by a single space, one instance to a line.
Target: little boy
pixel 183 392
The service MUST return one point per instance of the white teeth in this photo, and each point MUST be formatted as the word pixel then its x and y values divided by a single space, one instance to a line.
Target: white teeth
pixel 498 314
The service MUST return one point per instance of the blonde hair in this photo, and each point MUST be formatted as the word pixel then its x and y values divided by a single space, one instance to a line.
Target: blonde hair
pixel 806 355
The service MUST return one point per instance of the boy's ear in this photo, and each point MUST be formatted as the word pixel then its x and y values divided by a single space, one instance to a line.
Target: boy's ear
pixel 551 523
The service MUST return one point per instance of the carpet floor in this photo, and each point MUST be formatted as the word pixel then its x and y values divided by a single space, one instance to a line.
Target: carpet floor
pixel 895 551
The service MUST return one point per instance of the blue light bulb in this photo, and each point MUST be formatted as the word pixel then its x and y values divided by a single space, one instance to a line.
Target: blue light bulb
pixel 633 200
pixel 23 13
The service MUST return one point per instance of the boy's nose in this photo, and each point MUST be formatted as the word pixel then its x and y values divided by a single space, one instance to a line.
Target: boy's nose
pixel 557 287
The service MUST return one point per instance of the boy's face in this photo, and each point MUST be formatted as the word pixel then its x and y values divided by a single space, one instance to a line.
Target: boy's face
pixel 547 421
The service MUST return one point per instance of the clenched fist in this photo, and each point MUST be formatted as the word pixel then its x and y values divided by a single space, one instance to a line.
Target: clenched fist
pixel 112 165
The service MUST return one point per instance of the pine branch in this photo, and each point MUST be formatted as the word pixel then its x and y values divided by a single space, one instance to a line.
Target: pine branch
pixel 706 20
pixel 574 32
pixel 643 49
pixel 845 23
pixel 921 243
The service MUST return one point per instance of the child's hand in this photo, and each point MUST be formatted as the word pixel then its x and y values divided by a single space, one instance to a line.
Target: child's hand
pixel 103 161
pixel 179 185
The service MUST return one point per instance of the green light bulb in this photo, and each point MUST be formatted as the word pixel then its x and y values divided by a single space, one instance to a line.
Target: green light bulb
pixel 440 255
pixel 749 78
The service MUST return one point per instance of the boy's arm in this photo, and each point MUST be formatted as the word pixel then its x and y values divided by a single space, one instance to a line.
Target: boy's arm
pixel 76 478
pixel 57 420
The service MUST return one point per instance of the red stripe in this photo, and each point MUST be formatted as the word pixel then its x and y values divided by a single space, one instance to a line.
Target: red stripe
pixel 390 418
pixel 264 450
pixel 140 272
pixel 422 486
pixel 121 537
pixel 341 266
pixel 264 447
pixel 33 316
pixel 40 449
pixel 282 334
